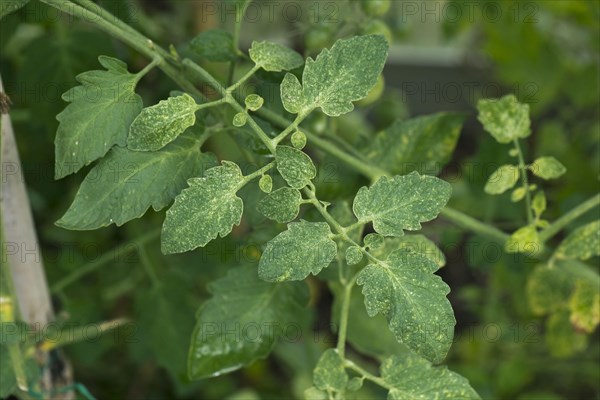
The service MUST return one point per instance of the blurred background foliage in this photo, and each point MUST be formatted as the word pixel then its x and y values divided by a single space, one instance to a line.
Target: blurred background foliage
pixel 546 52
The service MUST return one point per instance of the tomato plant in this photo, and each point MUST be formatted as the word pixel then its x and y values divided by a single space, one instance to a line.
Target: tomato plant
pixel 285 227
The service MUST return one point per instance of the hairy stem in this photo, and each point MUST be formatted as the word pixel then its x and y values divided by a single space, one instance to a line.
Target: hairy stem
pixel 569 217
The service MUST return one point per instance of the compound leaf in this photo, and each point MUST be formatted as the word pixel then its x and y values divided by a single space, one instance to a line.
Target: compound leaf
pixel 504 178
pixel 209 207
pixel 582 243
pixel 160 124
pixel 274 57
pixel 296 168
pixel 126 183
pixel 306 247
pixel 422 144
pixel 405 290
pixel 282 205
pixel 547 168
pixel 505 119
pixel 100 112
pixel 401 202
pixel 342 74
pixel 242 321
pixel 411 377
pixel 329 374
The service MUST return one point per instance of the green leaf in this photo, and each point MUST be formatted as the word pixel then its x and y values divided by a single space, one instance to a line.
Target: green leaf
pixel 254 102
pixel 296 168
pixel 401 202
pixel 205 210
pixel 312 393
pixel 242 322
pixel 282 205
pixel 547 168
pixel 505 119
pixel 126 183
pixel 100 112
pixel 8 381
pixel 339 76
pixel 524 240
pixel 411 377
pixel 274 57
pixel 582 243
pixel 214 45
pixel 329 374
pixel 8 7
pixel 306 247
pixel 405 290
pixel 548 289
pixel 291 93
pixel 373 241
pixel 162 123
pixel 538 205
pixel 353 255
pixel 265 183
pixel 240 119
pixel 298 140
pixel 518 194
pixel 423 144
pixel 585 306
pixel 504 178
pixel 562 339
pixel 416 243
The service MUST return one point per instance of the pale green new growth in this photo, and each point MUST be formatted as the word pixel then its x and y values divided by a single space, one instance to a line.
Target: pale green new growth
pixel 538 205
pixel 329 374
pixel 411 377
pixel 108 101
pixel 282 205
pixel 505 119
pixel 547 168
pixel 582 243
pixel 353 255
pixel 254 102
pixel 524 240
pixel 274 57
pixel 585 306
pixel 518 194
pixel 265 183
pixel 402 202
pixel 240 119
pixel 242 301
pixel 298 140
pixel 504 178
pixel 305 248
pixel 405 290
pixel 337 77
pixel 160 124
pixel 294 166
pixel 207 209
pixel 126 183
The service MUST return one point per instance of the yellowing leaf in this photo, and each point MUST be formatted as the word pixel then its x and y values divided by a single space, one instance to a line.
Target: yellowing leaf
pixel 505 119
pixel 582 243
pixel 547 168
pixel 502 179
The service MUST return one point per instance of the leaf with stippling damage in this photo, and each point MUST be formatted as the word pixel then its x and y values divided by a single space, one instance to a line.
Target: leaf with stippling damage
pixel 208 208
pixel 504 178
pixel 585 306
pixel 160 124
pixel 255 309
pixel 406 291
pixel 547 168
pixel 282 205
pixel 294 166
pixel 329 374
pixel 274 57
pixel 98 117
pixel 126 183
pixel 505 119
pixel 342 74
pixel 305 248
pixel 291 93
pixel 411 377
pixel 582 243
pixel 401 202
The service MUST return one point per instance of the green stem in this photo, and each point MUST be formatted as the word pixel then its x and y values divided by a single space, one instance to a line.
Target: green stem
pixel 470 223
pixel 257 173
pixel 569 217
pixel 204 76
pixel 341 342
pixel 239 83
pixel 105 258
pixel 525 182
pixel 156 61
pixel 257 129
pixel 291 128
pixel 211 104
pixel 367 375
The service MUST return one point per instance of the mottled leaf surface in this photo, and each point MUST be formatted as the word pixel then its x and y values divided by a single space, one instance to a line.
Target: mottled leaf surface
pixel 582 243
pixel 209 207
pixel 402 202
pixel 505 119
pixel 296 168
pixel 585 306
pixel 242 321
pixel 329 374
pixel 405 290
pixel 160 124
pixel 340 75
pixel 274 57
pixel 304 248
pixel 126 183
pixel 282 205
pixel 504 178
pixel 411 377
pixel 416 243
pixel 98 117
pixel 548 289
pixel 291 93
pixel 547 168
pixel 422 144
